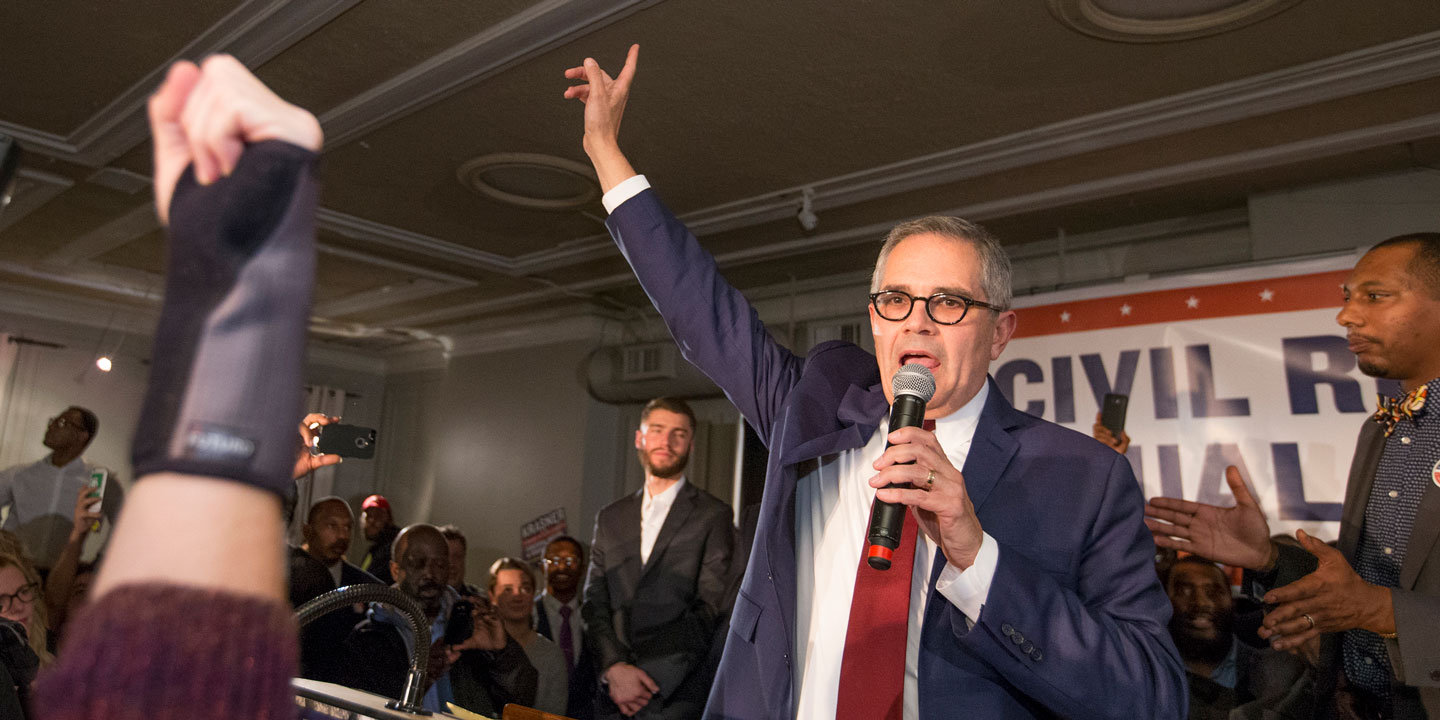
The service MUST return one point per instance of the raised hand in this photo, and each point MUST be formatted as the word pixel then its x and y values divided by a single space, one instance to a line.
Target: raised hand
pixel 1120 443
pixel 1237 535
pixel 604 99
pixel 206 115
pixel 307 462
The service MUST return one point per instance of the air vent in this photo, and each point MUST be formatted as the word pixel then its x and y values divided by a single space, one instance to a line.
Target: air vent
pixel 854 332
pixel 655 361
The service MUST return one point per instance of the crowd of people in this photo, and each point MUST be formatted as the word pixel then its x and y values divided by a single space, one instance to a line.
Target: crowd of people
pixel 1025 583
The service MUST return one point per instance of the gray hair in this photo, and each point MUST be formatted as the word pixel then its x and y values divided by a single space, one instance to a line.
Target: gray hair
pixel 994 263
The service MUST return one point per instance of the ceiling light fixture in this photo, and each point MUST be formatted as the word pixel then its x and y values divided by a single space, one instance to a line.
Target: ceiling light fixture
pixel 531 180
pixel 807 217
pixel 1146 21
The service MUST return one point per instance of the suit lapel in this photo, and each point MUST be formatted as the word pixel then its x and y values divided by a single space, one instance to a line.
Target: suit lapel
pixel 1422 536
pixel 674 520
pixel 627 533
pixel 991 449
pixel 1357 490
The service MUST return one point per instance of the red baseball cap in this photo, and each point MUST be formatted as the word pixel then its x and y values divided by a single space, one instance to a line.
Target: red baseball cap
pixel 375 501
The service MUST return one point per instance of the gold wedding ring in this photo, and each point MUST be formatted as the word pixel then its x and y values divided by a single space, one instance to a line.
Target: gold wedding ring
pixel 1309 620
pixel 930 479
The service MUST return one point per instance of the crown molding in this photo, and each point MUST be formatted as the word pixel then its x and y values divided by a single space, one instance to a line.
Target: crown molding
pixel 1309 149
pixel 1366 70
pixel 530 32
pixel 253 32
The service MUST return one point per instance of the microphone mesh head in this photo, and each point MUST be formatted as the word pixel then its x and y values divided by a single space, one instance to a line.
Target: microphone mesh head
pixel 914 379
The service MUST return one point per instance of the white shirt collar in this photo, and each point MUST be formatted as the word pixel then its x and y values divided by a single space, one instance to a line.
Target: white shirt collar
pixel 665 499
pixel 958 428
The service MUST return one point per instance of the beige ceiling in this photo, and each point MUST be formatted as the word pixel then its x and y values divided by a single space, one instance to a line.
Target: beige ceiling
pixel 993 108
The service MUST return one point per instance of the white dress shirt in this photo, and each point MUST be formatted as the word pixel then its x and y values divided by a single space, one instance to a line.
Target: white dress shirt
pixel 653 511
pixel 42 504
pixel 832 517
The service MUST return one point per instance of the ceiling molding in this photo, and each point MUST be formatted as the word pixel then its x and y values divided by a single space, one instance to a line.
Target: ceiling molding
pixel 318 353
pixel 383 296
pixel 114 234
pixel 254 32
pixel 530 32
pixel 33 189
pixel 1375 68
pixel 1309 149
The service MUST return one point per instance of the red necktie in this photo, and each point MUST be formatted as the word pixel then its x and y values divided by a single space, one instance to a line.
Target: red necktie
pixel 872 671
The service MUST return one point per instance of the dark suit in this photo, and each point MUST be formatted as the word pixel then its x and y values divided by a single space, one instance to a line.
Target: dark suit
pixel 660 615
pixel 1075 621
pixel 1415 654
pixel 321 641
pixel 580 704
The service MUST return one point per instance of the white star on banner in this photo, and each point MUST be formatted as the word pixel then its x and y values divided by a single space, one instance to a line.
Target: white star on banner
pixel 1192 302
pixel 1065 316
pixel 1267 295
pixel 1125 309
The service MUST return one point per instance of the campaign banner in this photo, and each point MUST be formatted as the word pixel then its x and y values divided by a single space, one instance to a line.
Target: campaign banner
pixel 538 533
pixel 1246 368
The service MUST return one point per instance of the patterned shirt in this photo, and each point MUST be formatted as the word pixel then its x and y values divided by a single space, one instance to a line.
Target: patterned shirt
pixel 1408 465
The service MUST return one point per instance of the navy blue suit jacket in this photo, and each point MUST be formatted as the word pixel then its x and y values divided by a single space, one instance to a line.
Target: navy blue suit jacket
pixel 1075 621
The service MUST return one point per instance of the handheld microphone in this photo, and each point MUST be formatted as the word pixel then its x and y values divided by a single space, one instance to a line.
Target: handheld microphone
pixel 912 386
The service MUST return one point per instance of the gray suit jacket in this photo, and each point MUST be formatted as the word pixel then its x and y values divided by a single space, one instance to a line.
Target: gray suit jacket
pixel 1415 654
pixel 659 615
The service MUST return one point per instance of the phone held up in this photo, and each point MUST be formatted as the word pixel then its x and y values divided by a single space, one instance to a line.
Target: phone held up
pixel 344 440
pixel 1112 412
pixel 461 624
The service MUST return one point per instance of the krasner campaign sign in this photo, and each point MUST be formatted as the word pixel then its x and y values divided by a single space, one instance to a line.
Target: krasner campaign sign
pixel 1245 368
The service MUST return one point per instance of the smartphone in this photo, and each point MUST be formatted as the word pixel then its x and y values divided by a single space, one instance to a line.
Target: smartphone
pixel 97 490
pixel 1112 412
pixel 345 441
pixel 461 625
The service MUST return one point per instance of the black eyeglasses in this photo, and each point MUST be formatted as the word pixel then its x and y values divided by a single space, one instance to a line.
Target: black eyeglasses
pixel 943 308
pixel 25 594
pixel 565 562
pixel 62 421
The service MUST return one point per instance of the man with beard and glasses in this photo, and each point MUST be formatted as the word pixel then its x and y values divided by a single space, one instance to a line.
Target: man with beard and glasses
pixel 658 567
pixel 1228 678
pixel 481 674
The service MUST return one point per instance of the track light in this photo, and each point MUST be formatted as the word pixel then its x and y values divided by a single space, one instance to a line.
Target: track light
pixel 807 217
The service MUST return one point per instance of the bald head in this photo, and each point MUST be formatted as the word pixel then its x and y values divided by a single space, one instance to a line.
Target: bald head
pixel 420 564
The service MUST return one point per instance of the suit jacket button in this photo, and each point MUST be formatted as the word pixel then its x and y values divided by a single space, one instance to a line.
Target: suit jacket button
pixel 1017 638
pixel 1027 648
pixel 1037 655
pixel 1007 629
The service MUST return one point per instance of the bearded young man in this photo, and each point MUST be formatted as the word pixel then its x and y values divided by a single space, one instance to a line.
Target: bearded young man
pixel 658 567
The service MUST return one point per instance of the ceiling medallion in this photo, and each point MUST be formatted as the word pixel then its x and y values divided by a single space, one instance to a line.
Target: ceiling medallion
pixel 1147 21
pixel 531 180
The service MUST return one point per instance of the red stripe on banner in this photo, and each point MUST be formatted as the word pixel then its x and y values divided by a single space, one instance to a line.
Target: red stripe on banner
pixel 1257 297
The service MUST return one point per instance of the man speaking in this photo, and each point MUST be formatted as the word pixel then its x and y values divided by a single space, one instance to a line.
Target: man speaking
pixel 1023 585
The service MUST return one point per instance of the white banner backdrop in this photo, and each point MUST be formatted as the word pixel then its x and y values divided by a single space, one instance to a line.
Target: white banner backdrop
pixel 1247 368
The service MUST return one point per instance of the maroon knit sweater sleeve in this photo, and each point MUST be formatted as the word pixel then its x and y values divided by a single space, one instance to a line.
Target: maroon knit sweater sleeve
pixel 159 652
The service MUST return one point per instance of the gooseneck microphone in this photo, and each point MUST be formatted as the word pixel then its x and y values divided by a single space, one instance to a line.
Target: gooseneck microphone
pixel 912 386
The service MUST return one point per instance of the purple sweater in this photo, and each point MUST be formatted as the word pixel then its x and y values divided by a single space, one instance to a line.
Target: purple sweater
pixel 156 652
